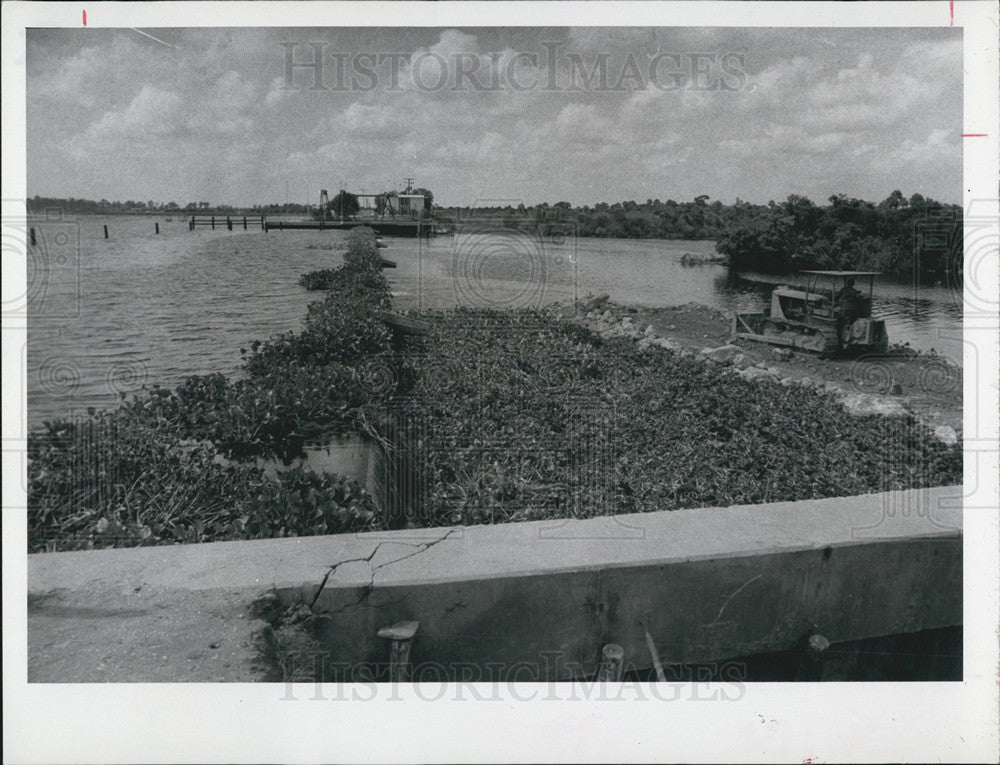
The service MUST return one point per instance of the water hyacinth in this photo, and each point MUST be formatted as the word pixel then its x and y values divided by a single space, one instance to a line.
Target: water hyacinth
pixel 521 416
pixel 152 471
pixel 488 416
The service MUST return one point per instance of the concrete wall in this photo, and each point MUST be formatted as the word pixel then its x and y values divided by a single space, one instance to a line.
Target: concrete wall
pixel 709 584
pixel 538 600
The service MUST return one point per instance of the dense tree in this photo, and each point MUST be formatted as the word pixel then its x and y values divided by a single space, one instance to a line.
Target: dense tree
pixel 345 205
pixel 919 237
pixel 428 198
pixel 898 236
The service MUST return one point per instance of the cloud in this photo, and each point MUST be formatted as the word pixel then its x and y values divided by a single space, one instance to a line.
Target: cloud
pixel 153 112
pixel 819 113
pixel 452 41
pixel 582 124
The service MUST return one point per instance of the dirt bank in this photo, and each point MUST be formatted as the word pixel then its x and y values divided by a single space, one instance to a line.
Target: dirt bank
pixel 927 386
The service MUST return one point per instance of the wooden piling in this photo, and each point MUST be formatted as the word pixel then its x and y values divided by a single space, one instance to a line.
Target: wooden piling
pixel 229 223
pixel 654 654
pixel 244 222
pixel 811 660
pixel 612 663
pixel 157 228
pixel 401 635
pixel 105 232
pixel 213 223
pixel 32 235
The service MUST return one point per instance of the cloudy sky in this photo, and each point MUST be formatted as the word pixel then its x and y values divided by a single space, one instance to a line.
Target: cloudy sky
pixel 477 114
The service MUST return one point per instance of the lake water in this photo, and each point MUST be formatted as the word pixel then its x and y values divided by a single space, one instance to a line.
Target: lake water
pixel 106 316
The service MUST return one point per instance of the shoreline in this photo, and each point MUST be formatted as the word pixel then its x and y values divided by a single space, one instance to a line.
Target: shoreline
pixel 929 384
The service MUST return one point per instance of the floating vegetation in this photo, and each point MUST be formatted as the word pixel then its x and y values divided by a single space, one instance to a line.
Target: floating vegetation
pixel 704 259
pixel 520 416
pixel 485 416
pixel 327 246
pixel 150 472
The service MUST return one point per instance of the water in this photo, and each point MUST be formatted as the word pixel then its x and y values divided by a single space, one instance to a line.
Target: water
pixel 107 316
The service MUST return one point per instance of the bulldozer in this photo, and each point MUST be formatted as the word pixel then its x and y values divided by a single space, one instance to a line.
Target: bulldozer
pixel 829 316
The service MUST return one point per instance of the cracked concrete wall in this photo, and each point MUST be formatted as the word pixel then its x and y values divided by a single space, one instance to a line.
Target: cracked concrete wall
pixel 709 584
pixel 552 624
pixel 537 600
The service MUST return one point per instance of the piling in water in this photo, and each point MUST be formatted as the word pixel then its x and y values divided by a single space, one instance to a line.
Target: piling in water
pixel 105 232
pixel 612 663
pixel 811 659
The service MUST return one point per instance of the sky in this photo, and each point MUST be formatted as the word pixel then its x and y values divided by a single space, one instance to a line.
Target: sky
pixel 494 115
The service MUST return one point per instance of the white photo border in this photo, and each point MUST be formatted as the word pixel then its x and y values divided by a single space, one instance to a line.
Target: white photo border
pixel 769 722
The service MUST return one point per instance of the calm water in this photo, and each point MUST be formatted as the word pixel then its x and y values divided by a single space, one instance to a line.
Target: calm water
pixel 107 316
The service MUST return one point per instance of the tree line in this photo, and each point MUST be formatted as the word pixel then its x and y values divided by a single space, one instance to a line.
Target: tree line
pixel 898 236
pixel 38 205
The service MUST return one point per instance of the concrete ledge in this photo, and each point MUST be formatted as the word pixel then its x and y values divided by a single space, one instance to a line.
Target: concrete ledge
pixel 710 583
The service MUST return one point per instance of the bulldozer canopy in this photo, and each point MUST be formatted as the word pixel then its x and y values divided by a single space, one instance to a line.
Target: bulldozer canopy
pixel 798 294
pixel 843 273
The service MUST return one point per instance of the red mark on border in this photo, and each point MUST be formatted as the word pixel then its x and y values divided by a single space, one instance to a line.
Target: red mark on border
pixel 974 135
pixel 951 8
pixel 85 18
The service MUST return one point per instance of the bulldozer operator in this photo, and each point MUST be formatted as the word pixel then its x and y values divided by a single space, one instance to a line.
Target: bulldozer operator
pixel 848 308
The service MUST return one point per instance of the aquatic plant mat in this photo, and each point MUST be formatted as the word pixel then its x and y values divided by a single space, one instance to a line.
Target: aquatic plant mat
pixel 484 416
pixel 522 415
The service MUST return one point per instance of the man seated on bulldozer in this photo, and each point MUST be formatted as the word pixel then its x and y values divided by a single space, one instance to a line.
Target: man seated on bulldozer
pixel 847 309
